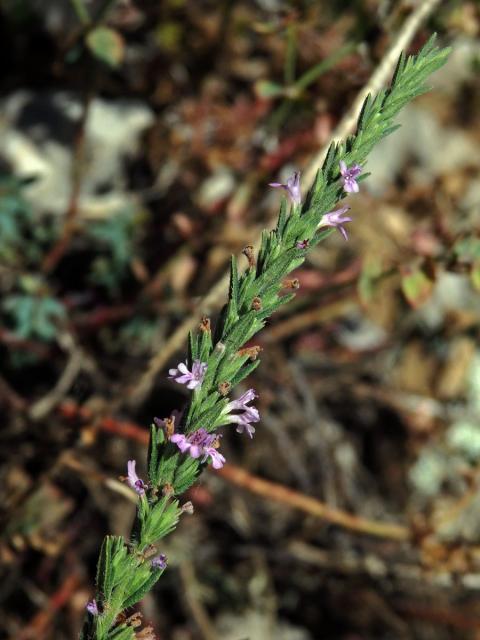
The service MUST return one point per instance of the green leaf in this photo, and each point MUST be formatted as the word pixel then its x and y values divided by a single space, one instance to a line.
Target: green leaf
pixel 371 271
pixel 206 403
pixel 207 419
pixel 168 462
pixel 104 573
pixel 156 440
pixel 200 393
pixel 230 366
pixel 123 632
pixel 186 474
pixel 163 518
pixel 312 75
pixel 268 89
pixel 467 249
pixel 205 348
pixel 416 286
pixel 475 275
pixel 231 311
pixel 270 310
pixel 193 350
pixel 245 281
pixel 282 219
pixel 276 271
pixel 143 589
pixel 107 45
pixel 244 372
pixel 243 330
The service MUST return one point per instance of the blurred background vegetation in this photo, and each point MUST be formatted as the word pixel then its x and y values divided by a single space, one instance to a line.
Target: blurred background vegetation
pixel 136 141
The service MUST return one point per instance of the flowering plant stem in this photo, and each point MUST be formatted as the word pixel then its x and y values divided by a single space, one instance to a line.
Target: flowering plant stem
pixel 181 445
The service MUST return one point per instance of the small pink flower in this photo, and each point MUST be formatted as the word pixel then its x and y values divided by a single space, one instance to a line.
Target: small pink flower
pixel 303 244
pixel 193 378
pixel 335 219
pixel 248 413
pixel 200 443
pixel 136 483
pixel 349 177
pixel 92 607
pixel 292 187
pixel 215 456
pixel 159 562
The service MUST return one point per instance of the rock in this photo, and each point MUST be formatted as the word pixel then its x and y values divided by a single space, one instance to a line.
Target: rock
pixel 37 134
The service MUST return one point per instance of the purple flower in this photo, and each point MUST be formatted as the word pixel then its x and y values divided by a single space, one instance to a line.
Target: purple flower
pixel 334 219
pixel 248 415
pixel 292 187
pixel 133 480
pixel 193 378
pixel 215 456
pixel 159 562
pixel 200 443
pixel 303 244
pixel 92 607
pixel 349 177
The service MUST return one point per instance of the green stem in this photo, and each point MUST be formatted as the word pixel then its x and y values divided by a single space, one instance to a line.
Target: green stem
pixel 81 12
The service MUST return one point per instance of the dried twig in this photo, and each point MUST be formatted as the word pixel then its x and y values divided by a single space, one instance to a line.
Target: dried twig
pixel 379 77
pixel 349 562
pixel 308 318
pixel 76 362
pixel 10 397
pixel 39 627
pixel 212 300
pixel 312 506
pixel 61 246
pixel 195 605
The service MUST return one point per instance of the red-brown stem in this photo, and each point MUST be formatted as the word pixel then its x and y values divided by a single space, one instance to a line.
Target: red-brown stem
pixel 39 625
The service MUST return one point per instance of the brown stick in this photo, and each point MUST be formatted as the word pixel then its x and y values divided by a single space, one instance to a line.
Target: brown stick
pixel 61 246
pixel 377 80
pixel 309 318
pixel 312 506
pixel 75 363
pixel 259 486
pixel 39 626
pixel 199 613
pixel 459 617
pixel 11 398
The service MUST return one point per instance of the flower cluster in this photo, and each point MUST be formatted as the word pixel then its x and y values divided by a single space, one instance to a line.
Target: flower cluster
pixel 334 219
pixel 200 443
